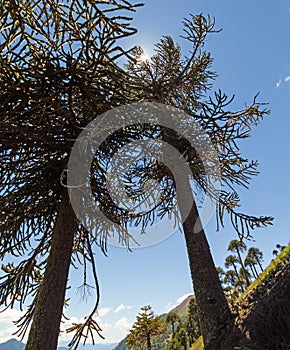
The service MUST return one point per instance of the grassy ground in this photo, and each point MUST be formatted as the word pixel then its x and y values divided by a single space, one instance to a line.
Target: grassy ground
pixel 272 266
pixel 198 344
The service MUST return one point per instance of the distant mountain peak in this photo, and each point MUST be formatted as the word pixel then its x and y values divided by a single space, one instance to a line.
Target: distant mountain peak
pixel 182 307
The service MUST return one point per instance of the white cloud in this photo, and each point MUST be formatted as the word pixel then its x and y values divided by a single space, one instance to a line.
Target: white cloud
pixel 64 336
pixel 103 311
pixel 7 327
pixel 278 83
pixel 170 306
pixel 123 324
pixel 122 307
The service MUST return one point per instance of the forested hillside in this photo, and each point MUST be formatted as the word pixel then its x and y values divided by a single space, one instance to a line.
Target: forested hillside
pixel 262 311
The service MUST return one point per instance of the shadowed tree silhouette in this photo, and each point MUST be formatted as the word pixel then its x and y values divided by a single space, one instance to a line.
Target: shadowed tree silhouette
pixel 221 274
pixel 192 324
pixel 249 261
pixel 58 69
pixel 239 247
pixel 256 256
pixel 230 277
pixel 232 260
pixel 162 78
pixel 172 318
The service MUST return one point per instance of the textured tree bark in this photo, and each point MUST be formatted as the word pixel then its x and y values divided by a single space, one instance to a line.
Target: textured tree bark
pixel 216 319
pixel 148 341
pixel 215 316
pixel 44 330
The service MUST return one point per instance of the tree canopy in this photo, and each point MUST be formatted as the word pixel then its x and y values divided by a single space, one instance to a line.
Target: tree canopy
pixel 146 327
pixel 59 70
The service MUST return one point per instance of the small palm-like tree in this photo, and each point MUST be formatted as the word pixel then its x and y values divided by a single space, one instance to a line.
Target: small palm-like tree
pixel 232 260
pixel 172 318
pixel 275 252
pixel 230 278
pixel 239 247
pixel 221 274
pixel 144 329
pixel 242 276
pixel 250 262
pixel 256 255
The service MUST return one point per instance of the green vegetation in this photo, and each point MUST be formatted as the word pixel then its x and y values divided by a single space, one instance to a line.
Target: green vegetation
pixel 59 69
pixel 271 267
pixel 145 329
pixel 187 330
pixel 183 331
pixel 198 344
pixel 241 269
pixel 181 328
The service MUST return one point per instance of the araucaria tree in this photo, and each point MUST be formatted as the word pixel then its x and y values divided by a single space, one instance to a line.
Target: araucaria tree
pixel 184 83
pixel 239 247
pixel 146 327
pixel 59 71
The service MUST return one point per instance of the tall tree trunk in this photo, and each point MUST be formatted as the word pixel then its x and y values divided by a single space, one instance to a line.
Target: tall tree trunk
pixel 238 277
pixel 243 267
pixel 258 261
pixel 257 275
pixel 253 272
pixel 173 330
pixel 148 341
pixel 215 316
pixel 44 330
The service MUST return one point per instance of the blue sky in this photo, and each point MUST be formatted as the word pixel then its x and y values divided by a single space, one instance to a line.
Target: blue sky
pixel 251 54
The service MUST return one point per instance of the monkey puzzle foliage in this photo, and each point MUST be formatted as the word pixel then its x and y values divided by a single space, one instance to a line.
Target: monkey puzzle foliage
pixel 59 71
pixel 236 280
pixel 146 327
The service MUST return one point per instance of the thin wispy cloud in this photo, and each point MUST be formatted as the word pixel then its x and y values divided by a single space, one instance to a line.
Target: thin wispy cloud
pixel 122 307
pixel 123 324
pixel 278 83
pixel 179 300
pixel 284 80
pixel 68 323
pixel 8 328
pixel 103 311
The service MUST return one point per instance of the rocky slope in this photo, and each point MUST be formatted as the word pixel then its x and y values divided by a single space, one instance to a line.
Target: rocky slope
pixel 264 311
